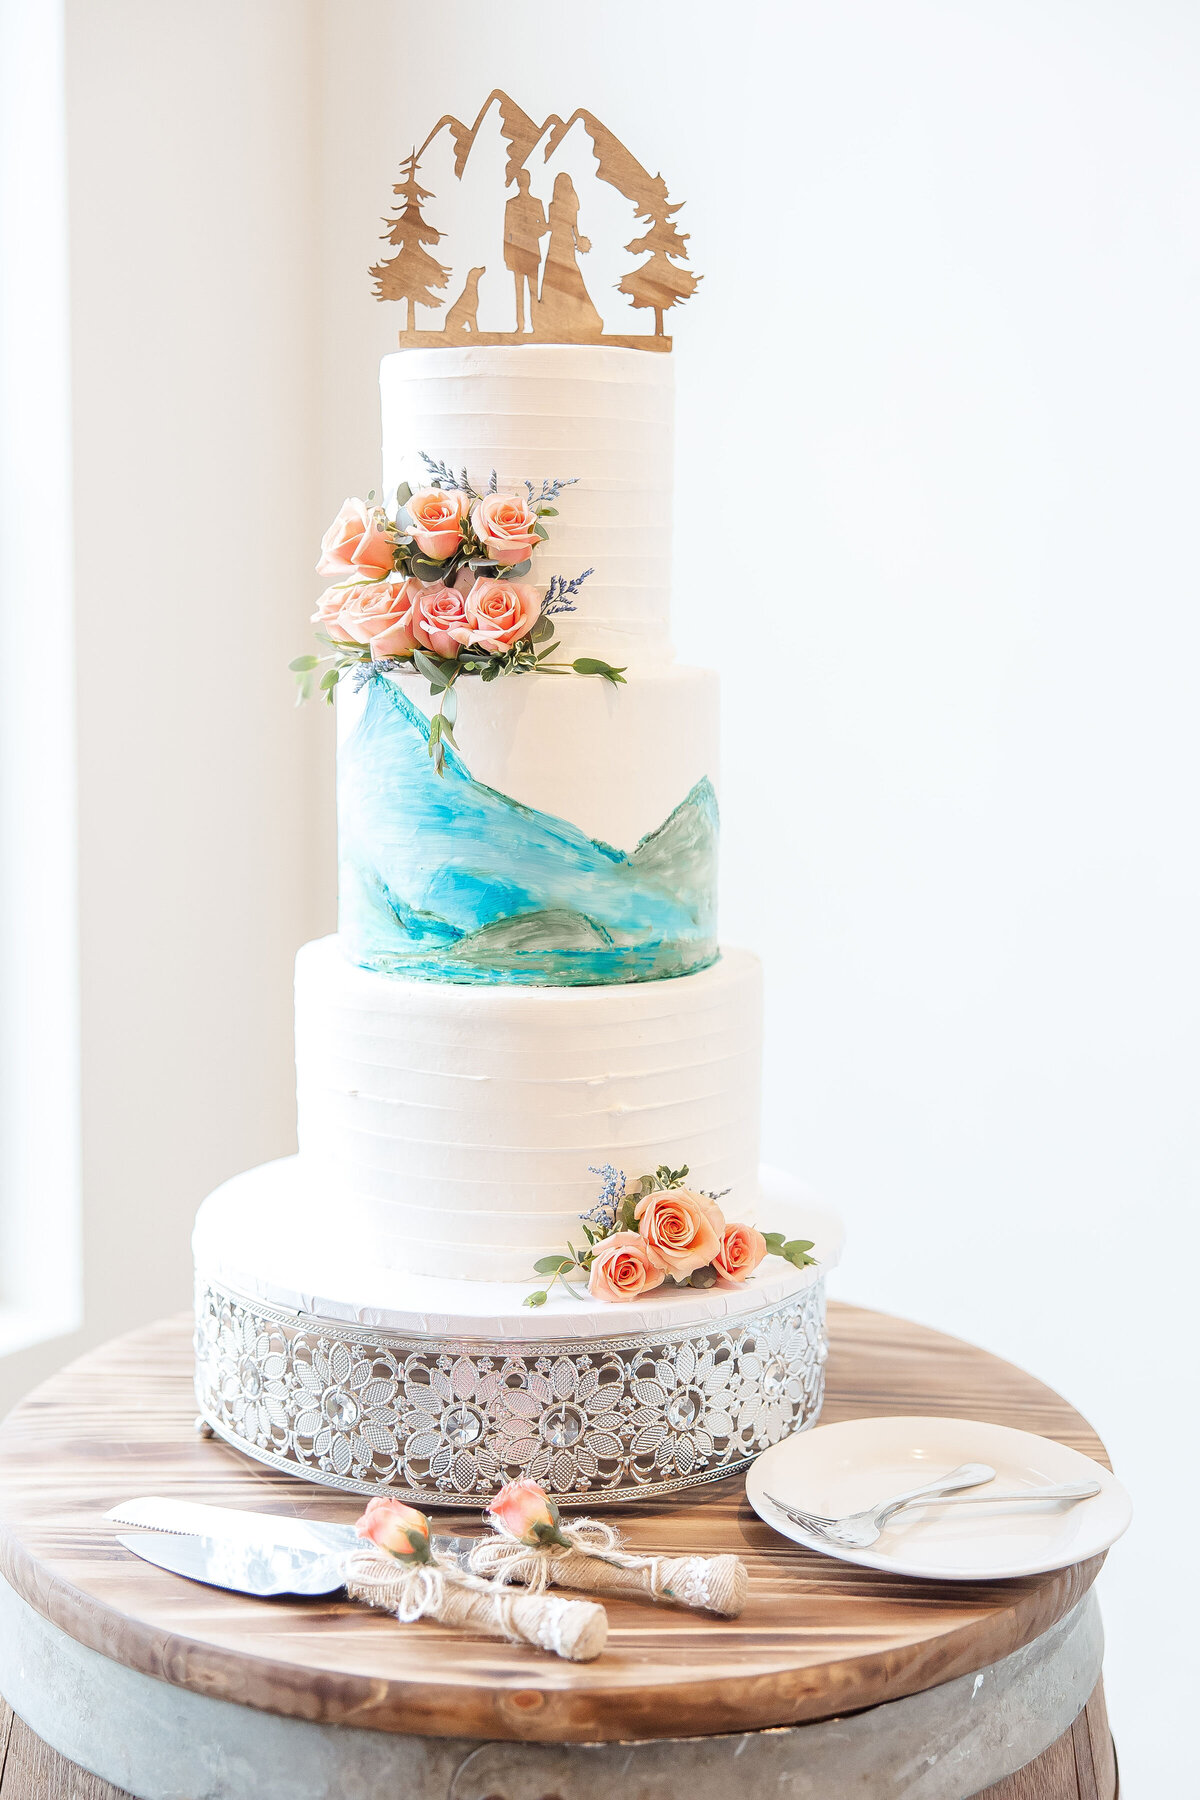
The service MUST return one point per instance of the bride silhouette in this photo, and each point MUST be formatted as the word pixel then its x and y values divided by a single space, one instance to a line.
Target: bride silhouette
pixel 564 310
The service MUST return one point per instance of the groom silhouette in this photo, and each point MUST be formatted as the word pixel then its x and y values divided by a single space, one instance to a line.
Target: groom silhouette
pixel 524 228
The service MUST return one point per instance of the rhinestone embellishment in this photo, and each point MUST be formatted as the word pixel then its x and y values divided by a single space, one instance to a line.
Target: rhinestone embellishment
pixel 435 1420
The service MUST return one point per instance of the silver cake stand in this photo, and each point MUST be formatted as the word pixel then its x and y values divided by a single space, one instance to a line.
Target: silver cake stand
pixel 438 1391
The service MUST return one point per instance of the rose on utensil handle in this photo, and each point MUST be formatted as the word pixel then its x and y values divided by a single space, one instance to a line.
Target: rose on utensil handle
pixel 398 1569
pixel 536 1547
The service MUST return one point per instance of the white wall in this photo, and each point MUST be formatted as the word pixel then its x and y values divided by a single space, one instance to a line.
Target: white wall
pixel 203 796
pixel 943 371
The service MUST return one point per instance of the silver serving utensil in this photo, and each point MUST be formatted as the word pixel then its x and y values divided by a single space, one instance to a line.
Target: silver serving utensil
pixel 859 1530
pixel 259 1569
pixel 234 1526
pixel 862 1528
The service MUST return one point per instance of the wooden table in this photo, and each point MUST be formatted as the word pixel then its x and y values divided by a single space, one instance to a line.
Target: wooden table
pixel 819 1639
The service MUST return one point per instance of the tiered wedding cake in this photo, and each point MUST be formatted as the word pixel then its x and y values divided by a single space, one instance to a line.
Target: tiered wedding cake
pixel 525 1003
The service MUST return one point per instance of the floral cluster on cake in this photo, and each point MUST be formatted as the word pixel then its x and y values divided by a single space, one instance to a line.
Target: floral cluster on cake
pixel 658 1230
pixel 437 586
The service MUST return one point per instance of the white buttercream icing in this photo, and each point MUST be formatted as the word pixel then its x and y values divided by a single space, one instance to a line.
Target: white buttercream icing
pixel 616 761
pixel 543 411
pixel 452 1128
pixel 273 1235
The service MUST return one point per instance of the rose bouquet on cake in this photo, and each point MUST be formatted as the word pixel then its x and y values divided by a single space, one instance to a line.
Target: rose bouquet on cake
pixel 437 586
pixel 658 1230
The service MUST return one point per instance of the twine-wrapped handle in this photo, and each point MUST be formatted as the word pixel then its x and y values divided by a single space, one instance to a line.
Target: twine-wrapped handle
pixel 574 1629
pixel 594 1559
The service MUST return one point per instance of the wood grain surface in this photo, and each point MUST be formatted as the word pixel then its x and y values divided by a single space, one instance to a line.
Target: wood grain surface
pixel 817 1638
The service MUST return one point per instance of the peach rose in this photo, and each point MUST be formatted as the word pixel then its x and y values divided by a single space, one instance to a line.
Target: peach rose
pixel 400 1530
pixel 682 1230
pixel 439 619
pixel 524 1511
pixel 358 543
pixel 435 515
pixel 500 612
pixel 622 1269
pixel 329 607
pixel 742 1249
pixel 504 523
pixel 379 613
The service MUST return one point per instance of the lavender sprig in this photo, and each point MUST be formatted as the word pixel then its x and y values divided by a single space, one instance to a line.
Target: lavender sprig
pixel 443 476
pixel 604 1214
pixel 550 491
pixel 559 595
pixel 368 669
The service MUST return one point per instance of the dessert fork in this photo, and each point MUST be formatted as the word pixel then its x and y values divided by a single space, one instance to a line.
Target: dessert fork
pixel 861 1529
pixel 849 1530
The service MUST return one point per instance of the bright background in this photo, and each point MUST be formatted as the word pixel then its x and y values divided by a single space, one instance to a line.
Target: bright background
pixel 941 382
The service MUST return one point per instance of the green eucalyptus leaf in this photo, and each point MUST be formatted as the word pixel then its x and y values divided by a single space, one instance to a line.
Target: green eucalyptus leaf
pixel 426 570
pixel 774 1242
pixel 547 512
pixel 554 1265
pixel 704 1278
pixel 300 663
pixel 330 679
pixel 431 668
pixel 542 630
pixel 540 532
pixel 798 1244
pixel 403 494
pixel 521 568
pixel 450 706
pixel 592 665
pixel 538 1299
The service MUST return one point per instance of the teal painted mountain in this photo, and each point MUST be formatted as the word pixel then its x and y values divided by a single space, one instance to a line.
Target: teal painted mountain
pixel 444 879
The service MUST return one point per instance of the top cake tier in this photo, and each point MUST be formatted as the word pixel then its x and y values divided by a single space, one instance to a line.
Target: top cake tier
pixel 600 414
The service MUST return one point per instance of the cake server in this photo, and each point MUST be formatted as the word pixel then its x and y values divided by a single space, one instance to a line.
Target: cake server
pixel 262 1569
pixel 264 1531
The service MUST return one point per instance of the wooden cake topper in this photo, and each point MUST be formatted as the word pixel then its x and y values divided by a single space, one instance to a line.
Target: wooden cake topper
pixel 543 242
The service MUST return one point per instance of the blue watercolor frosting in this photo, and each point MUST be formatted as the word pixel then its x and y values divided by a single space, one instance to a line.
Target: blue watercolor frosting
pixel 444 879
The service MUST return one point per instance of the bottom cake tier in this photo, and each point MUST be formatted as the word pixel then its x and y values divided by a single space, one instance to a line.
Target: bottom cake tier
pixel 312 1359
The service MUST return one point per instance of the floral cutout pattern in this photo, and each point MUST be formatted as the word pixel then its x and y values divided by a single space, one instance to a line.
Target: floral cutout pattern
pixel 368 1410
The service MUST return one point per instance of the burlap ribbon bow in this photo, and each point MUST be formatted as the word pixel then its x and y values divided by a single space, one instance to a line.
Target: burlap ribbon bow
pixel 439 1589
pixel 593 1558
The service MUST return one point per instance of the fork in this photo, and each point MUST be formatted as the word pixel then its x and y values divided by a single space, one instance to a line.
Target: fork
pixel 862 1528
pixel 858 1530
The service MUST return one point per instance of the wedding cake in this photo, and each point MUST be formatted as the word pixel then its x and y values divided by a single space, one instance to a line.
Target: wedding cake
pixel 526 1230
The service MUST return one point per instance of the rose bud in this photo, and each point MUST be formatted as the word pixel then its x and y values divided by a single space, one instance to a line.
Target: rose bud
pixel 400 1530
pixel 526 1512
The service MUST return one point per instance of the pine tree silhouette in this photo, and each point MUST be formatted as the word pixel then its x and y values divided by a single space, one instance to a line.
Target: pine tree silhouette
pixel 413 273
pixel 658 282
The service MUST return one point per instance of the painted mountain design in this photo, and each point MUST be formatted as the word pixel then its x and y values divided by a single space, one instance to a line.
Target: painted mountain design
pixel 444 879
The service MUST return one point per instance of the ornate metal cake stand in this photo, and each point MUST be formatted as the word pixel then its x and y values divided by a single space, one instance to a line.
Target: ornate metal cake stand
pixel 435 1413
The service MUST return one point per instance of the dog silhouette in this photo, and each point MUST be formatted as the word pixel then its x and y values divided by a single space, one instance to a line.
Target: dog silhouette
pixel 462 316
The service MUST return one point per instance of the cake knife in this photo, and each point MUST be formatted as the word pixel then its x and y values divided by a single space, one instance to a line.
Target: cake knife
pixel 233 1526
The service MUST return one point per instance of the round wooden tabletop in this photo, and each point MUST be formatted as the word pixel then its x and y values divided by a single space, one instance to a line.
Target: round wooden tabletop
pixel 817 1638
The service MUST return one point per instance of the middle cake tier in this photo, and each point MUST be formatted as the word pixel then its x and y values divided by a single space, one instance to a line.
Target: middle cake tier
pixel 569 838
pixel 457 1130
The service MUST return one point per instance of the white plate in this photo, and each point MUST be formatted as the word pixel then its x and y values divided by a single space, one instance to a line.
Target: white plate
pixel 839 1469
